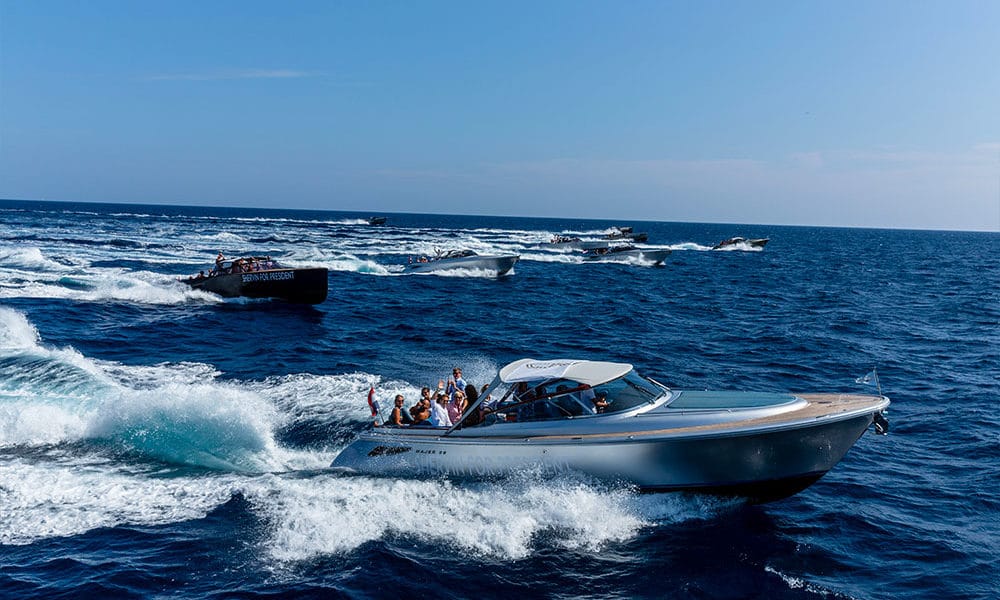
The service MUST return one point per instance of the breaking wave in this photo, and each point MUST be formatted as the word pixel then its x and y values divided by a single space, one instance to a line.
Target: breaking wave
pixel 175 415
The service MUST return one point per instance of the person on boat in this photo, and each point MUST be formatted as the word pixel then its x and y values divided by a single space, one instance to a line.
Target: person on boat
pixel 524 393
pixel 439 411
pixel 600 402
pixel 474 416
pixel 399 417
pixel 218 261
pixel 457 384
pixel 421 411
pixel 456 406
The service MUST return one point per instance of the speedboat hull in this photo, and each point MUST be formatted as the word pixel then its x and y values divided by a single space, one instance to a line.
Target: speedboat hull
pixel 770 456
pixel 501 264
pixel 305 286
pixel 578 245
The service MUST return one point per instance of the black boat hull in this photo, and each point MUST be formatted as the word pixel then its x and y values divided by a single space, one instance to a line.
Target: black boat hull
pixel 305 286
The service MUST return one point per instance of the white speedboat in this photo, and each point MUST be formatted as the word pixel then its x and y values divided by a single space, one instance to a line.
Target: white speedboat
pixel 464 259
pixel 650 255
pixel 604 420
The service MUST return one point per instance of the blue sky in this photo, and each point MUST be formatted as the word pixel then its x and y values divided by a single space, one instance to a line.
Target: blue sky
pixel 880 114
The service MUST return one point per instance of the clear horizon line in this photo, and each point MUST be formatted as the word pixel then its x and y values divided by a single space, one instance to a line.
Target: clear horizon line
pixel 432 213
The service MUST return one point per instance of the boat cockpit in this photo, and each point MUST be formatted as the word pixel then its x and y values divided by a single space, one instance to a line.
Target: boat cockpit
pixel 560 397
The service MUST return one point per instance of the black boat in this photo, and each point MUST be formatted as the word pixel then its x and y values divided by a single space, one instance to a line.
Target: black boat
pixel 626 233
pixel 262 277
pixel 376 220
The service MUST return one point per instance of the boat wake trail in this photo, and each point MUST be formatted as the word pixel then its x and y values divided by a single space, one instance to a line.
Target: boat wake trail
pixel 338 261
pixel 71 496
pixel 173 413
pixel 507 520
pixel 28 273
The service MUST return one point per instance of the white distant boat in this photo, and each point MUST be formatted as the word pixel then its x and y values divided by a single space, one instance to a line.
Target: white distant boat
pixel 465 259
pixel 605 420
pixel 739 241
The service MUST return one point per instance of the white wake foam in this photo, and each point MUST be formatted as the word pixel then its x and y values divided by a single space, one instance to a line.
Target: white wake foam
pixel 62 499
pixel 28 273
pixel 337 261
pixel 329 514
pixel 174 413
pixel 29 258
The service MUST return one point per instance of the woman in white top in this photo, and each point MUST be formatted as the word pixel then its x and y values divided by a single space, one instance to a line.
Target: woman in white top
pixel 439 412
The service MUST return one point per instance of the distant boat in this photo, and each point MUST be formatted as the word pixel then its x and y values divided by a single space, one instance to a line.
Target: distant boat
pixel 464 259
pixel 575 243
pixel 652 255
pixel 262 277
pixel 625 233
pixel 737 241
pixel 376 220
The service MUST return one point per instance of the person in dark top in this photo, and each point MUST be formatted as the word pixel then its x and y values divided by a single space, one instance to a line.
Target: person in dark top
pixel 471 397
pixel 399 416
pixel 601 402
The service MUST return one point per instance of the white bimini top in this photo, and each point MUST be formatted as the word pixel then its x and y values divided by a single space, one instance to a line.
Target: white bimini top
pixel 589 372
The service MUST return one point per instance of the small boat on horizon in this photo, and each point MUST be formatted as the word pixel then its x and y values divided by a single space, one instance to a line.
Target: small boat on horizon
pixel 262 277
pixel 604 420
pixel 652 255
pixel 464 259
pixel 376 220
pixel 739 241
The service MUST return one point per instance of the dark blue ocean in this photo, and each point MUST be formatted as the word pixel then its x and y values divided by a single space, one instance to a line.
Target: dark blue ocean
pixel 161 442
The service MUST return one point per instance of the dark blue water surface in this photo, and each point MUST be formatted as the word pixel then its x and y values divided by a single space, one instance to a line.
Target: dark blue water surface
pixel 156 441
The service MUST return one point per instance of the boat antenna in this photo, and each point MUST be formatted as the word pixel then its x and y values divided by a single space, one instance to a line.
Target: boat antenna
pixel 878 385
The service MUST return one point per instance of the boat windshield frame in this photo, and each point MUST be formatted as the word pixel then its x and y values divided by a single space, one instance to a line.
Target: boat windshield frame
pixel 226 267
pixel 563 399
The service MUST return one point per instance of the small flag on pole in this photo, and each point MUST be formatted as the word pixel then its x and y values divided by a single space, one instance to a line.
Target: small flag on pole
pixel 867 379
pixel 870 378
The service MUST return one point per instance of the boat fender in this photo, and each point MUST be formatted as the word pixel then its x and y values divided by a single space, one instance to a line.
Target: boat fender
pixel 881 424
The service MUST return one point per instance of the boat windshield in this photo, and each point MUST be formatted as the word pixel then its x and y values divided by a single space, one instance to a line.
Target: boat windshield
pixel 564 398
pixel 627 392
pixel 246 265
